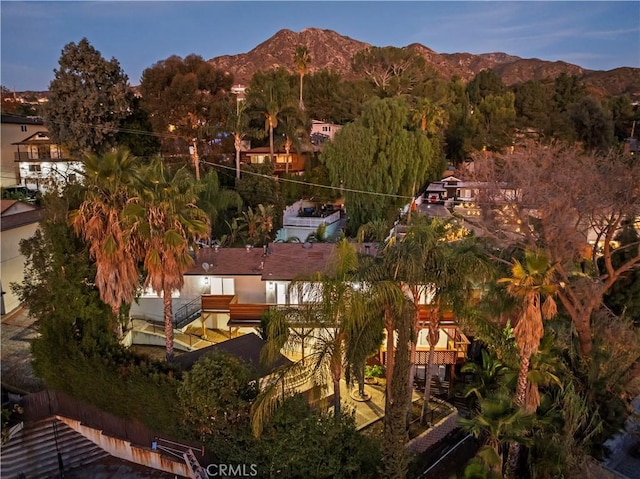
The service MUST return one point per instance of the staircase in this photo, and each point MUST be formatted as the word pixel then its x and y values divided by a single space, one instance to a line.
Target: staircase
pixel 188 313
pixel 33 452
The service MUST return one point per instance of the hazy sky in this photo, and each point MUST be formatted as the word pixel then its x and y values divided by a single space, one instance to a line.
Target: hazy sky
pixel 595 35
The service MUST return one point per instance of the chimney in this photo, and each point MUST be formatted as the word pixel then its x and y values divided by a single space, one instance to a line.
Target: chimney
pixel 367 249
pixel 264 250
pixel 248 247
pixel 216 247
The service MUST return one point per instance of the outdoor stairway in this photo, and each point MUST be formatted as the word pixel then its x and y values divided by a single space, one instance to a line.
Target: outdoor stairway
pixel 187 314
pixel 32 452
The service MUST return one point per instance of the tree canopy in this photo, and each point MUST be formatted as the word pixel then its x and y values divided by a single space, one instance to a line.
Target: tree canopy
pixel 89 97
pixel 380 161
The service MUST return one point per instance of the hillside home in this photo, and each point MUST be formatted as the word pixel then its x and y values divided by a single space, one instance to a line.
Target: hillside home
pixel 43 164
pixel 18 221
pixel 324 128
pixel 293 162
pixel 14 128
pixel 230 288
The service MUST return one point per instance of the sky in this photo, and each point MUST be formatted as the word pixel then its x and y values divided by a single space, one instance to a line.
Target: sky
pixel 597 35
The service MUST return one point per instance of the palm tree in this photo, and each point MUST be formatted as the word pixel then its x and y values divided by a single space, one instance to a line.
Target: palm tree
pixel 238 123
pixel 109 180
pixel 530 283
pixel 270 96
pixel 496 423
pixel 302 59
pixel 429 116
pixel 214 200
pixel 452 269
pixel 166 222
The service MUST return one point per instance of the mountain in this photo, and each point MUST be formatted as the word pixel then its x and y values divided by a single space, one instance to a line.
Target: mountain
pixel 333 51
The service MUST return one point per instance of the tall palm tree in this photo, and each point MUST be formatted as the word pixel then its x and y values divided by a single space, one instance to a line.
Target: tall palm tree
pixel 238 123
pixel 452 269
pixel 270 96
pixel 109 180
pixel 214 200
pixel 302 59
pixel 166 222
pixel 530 283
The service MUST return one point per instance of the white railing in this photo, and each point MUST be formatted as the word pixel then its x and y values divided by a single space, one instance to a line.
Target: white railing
pixel 311 221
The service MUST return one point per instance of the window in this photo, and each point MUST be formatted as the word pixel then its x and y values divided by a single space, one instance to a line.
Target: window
pixel 34 168
pixel 23 127
pixel 222 286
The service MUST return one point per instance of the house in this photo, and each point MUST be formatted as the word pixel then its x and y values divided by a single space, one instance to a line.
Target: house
pixel 14 128
pixel 323 128
pixel 293 161
pixel 304 217
pixel 43 164
pixel 18 221
pixel 231 288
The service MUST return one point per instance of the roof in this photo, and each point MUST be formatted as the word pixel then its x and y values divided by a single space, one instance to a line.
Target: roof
pixel 22 120
pixel 246 347
pixel 228 261
pixel 277 262
pixel 28 216
pixel 38 138
pixel 288 261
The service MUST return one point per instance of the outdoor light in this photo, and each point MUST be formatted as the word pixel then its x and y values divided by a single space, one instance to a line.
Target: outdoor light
pixel 206 280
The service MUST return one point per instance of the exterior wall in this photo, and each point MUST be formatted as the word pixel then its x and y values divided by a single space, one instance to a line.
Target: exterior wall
pixel 324 128
pixel 44 175
pixel 13 133
pixel 250 290
pixel 125 450
pixel 11 261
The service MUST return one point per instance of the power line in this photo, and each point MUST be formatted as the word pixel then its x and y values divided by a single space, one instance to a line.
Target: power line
pixel 307 183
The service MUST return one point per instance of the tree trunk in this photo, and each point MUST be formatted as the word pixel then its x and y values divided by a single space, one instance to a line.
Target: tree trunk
pixel 273 154
pixel 396 434
pixel 427 384
pixel 301 105
pixel 513 455
pixel 238 144
pixel 390 355
pixel 168 324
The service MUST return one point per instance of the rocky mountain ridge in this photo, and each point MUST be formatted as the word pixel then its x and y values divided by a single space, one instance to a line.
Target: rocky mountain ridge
pixel 330 50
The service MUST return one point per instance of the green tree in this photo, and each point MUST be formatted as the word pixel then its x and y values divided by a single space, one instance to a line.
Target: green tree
pixel 182 98
pixel 88 98
pixel 110 182
pixel 299 442
pixel 215 399
pixel 496 423
pixel 258 186
pixel 592 124
pixel 485 83
pixel 165 223
pixel 393 161
pixel 215 200
pixel 301 59
pixel 136 133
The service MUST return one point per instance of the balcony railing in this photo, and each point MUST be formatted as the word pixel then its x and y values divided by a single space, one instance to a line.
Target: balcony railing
pixel 311 221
